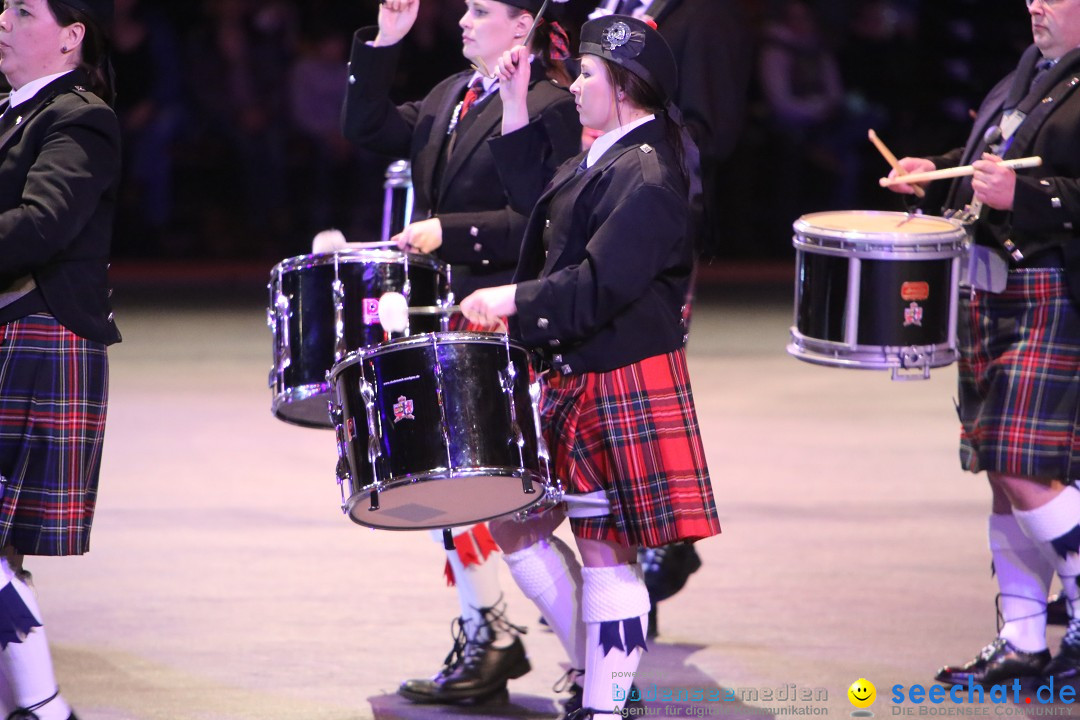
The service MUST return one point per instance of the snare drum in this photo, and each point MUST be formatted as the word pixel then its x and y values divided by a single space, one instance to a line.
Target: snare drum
pixel 325 305
pixel 876 290
pixel 437 430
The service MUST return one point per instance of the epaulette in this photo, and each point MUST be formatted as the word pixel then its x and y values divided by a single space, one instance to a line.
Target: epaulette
pixel 651 172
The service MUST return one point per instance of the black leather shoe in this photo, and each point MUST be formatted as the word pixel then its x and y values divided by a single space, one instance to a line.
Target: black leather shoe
pixel 1057 611
pixel 1065 665
pixel 484 671
pixel 426 690
pixel 998 662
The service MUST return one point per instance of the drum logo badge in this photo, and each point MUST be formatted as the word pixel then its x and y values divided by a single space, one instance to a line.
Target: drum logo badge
pixel 371 311
pixel 403 409
pixel 913 315
pixel 912 290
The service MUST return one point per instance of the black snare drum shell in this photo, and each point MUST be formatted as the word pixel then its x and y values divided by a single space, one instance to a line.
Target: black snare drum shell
pixel 901 302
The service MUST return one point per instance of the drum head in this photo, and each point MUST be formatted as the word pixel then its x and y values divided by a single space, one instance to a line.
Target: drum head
pixel 436 501
pixel 866 233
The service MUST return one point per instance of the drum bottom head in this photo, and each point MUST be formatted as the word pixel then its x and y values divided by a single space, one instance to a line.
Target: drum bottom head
pixel 307 406
pixel 433 502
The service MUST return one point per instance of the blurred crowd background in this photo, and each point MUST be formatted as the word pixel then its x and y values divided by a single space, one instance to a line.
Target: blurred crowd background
pixel 230 111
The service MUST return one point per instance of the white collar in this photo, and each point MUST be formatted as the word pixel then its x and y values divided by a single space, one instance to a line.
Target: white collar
pixel 603 143
pixel 30 89
pixel 489 83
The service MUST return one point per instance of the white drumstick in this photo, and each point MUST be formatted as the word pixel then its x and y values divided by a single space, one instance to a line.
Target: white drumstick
pixel 962 171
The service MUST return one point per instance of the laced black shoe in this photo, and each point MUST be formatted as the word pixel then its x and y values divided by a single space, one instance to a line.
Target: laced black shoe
pixel 996 663
pixel 485 669
pixel 1066 664
pixel 426 690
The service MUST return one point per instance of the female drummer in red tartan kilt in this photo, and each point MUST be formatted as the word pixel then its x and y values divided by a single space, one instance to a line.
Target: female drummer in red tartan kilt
pixel 600 292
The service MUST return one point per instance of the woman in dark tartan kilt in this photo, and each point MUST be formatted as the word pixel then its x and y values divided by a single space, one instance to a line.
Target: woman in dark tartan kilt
pixel 600 291
pixel 59 169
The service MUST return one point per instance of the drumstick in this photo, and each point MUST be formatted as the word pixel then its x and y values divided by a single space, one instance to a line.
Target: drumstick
pixel 962 171
pixel 484 71
pixel 891 159
pixel 536 21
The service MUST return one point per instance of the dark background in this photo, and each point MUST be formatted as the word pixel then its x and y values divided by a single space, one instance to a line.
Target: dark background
pixel 230 112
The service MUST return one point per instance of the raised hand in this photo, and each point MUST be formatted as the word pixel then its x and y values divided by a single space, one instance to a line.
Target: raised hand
pixel 396 18
pixel 514 73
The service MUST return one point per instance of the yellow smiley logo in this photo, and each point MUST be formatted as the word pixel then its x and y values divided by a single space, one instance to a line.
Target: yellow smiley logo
pixel 862 693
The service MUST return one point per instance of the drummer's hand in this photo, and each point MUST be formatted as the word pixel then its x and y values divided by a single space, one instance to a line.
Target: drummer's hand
pixel 396 18
pixel 486 306
pixel 513 71
pixel 424 236
pixel 910 165
pixel 993 184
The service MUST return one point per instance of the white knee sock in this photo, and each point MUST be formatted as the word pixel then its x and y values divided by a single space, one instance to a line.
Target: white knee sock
pixel 549 574
pixel 476 574
pixel 1023 576
pixel 1055 529
pixel 615 608
pixel 28 664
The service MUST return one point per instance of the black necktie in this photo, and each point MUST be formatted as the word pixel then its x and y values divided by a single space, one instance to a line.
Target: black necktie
pixel 627 7
pixel 1040 72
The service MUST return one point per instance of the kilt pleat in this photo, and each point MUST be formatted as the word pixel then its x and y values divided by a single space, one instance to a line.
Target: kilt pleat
pixel 1019 378
pixel 53 394
pixel 633 434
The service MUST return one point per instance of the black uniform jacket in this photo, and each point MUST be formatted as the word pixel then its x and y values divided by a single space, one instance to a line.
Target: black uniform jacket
pixel 606 262
pixel 481 233
pixel 59 171
pixel 1046 205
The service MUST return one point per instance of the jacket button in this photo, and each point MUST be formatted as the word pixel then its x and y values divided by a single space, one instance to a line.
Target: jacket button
pixel 566 370
pixel 542 323
pixel 554 342
pixel 547 223
pixel 111 316
pixel 557 359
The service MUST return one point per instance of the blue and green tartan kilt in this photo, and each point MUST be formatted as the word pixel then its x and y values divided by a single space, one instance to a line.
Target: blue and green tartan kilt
pixel 633 434
pixel 1019 378
pixel 53 393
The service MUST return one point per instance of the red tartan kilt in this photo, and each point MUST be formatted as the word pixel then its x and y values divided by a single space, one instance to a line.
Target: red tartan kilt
pixel 632 433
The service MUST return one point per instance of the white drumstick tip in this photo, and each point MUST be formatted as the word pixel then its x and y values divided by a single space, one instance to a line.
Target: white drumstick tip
pixel 393 312
pixel 328 241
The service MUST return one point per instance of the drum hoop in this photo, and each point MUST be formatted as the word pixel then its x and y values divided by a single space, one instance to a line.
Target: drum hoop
pixel 422 339
pixel 868 250
pixel 360 255
pixel 868 357
pixel 805 226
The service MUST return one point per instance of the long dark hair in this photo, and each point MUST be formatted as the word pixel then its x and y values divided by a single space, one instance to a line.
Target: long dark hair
pixel 551 45
pixel 95 49
pixel 646 97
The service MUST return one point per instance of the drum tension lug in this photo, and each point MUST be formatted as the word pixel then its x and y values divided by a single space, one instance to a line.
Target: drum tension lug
pixel 374 500
pixel 526 485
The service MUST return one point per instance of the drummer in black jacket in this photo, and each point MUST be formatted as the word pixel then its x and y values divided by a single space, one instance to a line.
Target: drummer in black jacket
pixel 1019 337
pixel 600 290
pixel 462 216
